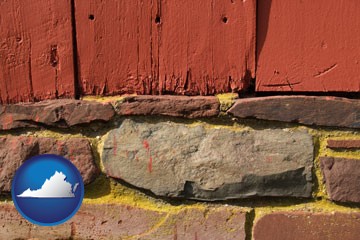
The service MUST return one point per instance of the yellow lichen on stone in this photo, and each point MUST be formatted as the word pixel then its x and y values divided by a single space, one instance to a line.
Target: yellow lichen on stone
pixel 226 100
pixel 320 150
pixel 104 190
pixel 105 99
pixel 340 153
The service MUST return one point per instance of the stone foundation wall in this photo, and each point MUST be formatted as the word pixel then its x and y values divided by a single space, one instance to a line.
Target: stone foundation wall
pixel 176 167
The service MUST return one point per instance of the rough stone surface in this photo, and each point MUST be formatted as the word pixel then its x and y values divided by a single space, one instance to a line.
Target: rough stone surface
pixel 325 111
pixel 179 160
pixel 59 113
pixel 342 178
pixel 343 144
pixel 176 106
pixel 14 150
pixel 307 226
pixel 109 221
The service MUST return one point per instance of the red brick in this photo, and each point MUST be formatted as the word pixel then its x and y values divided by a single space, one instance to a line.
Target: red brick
pixel 36 50
pixel 308 110
pixel 225 223
pixel 342 178
pixel 308 46
pixel 117 221
pixel 14 226
pixel 308 226
pixel 343 144
pixel 111 221
pixel 176 106
pixel 120 221
pixel 14 150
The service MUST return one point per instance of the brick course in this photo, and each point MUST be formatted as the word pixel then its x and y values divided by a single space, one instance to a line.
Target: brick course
pixel 14 150
pixel 308 226
pixel 118 221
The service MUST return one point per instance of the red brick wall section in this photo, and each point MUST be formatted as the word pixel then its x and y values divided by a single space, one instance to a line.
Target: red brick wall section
pixel 306 226
pixel 36 54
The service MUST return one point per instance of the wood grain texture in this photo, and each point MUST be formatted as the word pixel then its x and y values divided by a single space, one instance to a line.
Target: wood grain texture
pixel 206 47
pixel 165 46
pixel 36 54
pixel 308 46
pixel 114 41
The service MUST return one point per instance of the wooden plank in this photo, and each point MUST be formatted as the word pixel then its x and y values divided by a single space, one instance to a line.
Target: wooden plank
pixel 206 47
pixel 165 47
pixel 36 54
pixel 114 45
pixel 306 45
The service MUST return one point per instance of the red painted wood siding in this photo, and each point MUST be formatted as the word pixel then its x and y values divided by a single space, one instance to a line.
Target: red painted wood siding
pixel 307 45
pixel 36 54
pixel 186 47
pixel 115 42
pixel 206 47
pixel 157 47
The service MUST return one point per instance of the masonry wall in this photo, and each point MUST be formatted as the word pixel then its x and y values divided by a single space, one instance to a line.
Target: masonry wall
pixel 173 167
pixel 187 119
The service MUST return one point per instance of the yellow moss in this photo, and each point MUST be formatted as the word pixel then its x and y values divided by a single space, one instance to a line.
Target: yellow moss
pixel 354 154
pixel 320 141
pixel 226 100
pixel 56 135
pixel 105 99
pixel 105 190
pixel 336 135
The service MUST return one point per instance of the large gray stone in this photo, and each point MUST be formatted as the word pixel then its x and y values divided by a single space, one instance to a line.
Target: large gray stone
pixel 179 160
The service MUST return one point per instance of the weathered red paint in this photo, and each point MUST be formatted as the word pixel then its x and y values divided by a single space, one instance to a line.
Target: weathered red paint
pixel 147 147
pixel 206 47
pixel 308 45
pixel 36 53
pixel 114 40
pixel 157 47
pixel 150 164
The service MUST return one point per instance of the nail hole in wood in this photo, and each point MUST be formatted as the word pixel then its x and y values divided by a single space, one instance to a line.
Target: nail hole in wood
pixel 157 20
pixel 225 19
pixel 91 17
